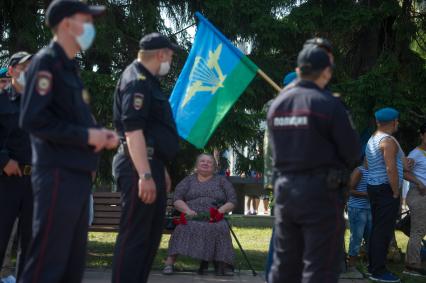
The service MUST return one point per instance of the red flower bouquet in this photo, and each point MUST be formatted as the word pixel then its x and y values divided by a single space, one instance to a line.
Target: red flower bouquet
pixel 212 216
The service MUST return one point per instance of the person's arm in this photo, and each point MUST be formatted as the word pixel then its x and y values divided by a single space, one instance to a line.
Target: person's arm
pixel 8 166
pixel 227 207
pixel 179 197
pixel 345 137
pixel 138 153
pixel 135 106
pixel 353 183
pixel 413 179
pixel 390 151
pixel 231 197
pixel 408 163
pixel 181 206
pixel 37 119
pixel 168 180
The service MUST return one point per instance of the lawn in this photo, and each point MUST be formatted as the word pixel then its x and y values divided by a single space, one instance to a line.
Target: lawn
pixel 255 242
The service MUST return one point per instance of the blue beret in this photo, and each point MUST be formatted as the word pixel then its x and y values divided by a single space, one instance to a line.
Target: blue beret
pixel 3 73
pixel 386 114
pixel 289 78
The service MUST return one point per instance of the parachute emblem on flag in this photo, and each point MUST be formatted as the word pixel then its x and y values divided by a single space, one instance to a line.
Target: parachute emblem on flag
pixel 206 76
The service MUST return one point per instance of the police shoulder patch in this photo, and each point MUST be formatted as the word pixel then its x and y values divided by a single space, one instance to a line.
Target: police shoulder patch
pixel 43 83
pixel 138 101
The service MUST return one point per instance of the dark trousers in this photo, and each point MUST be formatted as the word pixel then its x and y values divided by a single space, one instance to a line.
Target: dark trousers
pixel 60 222
pixel 141 227
pixel 309 228
pixel 16 202
pixel 384 212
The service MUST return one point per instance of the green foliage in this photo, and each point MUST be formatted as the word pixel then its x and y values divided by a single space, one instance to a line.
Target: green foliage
pixel 379 49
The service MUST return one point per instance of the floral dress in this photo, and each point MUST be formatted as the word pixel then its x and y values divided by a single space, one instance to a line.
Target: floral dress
pixel 201 239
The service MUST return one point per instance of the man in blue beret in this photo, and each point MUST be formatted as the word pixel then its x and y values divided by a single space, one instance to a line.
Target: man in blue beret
pixel 385 160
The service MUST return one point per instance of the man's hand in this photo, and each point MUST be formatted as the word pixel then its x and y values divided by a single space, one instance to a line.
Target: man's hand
pixel 12 168
pixel 97 138
pixel 168 181
pixel 147 191
pixel 112 139
pixel 410 163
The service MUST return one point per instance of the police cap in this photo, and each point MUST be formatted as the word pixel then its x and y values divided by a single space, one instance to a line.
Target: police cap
pixel 386 114
pixel 19 58
pixel 59 9
pixel 312 58
pixel 156 40
pixel 3 73
pixel 320 42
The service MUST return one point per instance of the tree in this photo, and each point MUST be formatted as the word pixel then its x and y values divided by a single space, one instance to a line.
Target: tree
pixel 379 46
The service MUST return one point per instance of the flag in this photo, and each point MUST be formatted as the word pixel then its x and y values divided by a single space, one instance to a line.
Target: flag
pixel 214 76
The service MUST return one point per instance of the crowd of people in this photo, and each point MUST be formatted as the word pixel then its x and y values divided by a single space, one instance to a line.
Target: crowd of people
pixel 50 145
pixel 311 160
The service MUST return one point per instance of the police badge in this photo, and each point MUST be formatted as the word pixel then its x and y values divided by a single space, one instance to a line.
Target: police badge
pixel 138 101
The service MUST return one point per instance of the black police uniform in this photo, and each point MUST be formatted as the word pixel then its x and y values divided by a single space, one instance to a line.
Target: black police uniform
pixel 57 117
pixel 311 139
pixel 139 104
pixel 16 199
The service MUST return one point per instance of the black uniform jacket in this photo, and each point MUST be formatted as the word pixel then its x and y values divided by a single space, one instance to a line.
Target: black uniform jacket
pixel 140 104
pixel 310 129
pixel 14 142
pixel 56 113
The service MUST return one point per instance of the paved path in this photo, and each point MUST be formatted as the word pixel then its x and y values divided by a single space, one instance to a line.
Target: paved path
pixel 96 276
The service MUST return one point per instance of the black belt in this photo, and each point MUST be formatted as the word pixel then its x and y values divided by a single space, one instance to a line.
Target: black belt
pixel 124 149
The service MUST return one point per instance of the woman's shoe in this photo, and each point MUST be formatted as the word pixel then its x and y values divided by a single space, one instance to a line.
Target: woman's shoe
pixel 223 269
pixel 168 269
pixel 204 266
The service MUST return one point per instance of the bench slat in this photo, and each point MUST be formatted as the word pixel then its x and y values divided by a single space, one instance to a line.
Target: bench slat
pixel 107 214
pixel 107 201
pixel 106 208
pixel 106 221
pixel 106 194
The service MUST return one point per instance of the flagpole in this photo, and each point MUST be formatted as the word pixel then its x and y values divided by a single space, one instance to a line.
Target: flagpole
pixel 269 80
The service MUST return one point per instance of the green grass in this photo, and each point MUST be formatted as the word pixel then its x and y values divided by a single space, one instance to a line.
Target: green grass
pixel 255 242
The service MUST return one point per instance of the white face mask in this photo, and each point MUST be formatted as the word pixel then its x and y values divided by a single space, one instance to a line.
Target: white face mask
pixel 85 39
pixel 21 79
pixel 164 68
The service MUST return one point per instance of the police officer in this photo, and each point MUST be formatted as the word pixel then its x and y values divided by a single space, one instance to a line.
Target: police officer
pixel 16 200
pixel 144 121
pixel 65 141
pixel 312 143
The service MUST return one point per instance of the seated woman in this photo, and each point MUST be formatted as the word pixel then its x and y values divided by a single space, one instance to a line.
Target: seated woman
pixel 202 240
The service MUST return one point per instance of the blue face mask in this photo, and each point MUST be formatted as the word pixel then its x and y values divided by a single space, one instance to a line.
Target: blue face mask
pixel 85 39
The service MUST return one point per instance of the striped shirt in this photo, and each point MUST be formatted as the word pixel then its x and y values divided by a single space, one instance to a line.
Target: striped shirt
pixel 377 174
pixel 360 202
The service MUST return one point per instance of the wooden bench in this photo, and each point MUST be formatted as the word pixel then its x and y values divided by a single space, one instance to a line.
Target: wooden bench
pixel 107 212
